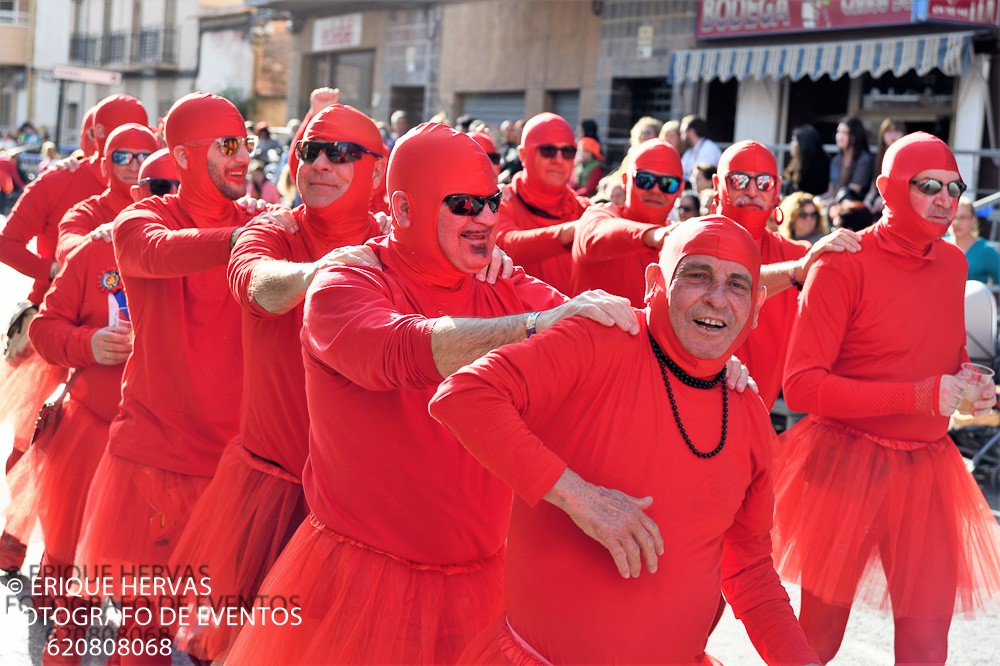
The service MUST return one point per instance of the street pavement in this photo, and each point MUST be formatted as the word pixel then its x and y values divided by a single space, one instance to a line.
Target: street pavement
pixel 868 641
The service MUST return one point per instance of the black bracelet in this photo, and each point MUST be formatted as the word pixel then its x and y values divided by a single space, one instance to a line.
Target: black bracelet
pixel 795 283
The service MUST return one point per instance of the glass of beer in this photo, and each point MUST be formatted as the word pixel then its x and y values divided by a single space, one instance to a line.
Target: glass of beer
pixel 978 377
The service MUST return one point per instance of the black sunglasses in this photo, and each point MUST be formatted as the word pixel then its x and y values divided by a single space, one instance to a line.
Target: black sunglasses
pixel 932 186
pixel 741 181
pixel 338 152
pixel 646 181
pixel 160 186
pixel 470 205
pixel 548 151
pixel 125 157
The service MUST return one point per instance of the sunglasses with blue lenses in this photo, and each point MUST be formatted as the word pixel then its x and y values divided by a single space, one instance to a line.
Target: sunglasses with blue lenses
pixel 126 157
pixel 470 205
pixel 338 152
pixel 932 186
pixel 645 180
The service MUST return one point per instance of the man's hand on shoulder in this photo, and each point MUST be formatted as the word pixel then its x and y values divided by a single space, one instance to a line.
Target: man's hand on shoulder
pixel 841 240
pixel 597 305
pixel 500 266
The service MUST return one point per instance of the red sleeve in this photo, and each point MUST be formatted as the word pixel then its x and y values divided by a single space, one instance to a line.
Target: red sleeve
pixel 258 242
pixel 533 293
pixel 528 246
pixel 25 222
pixel 74 228
pixel 750 584
pixel 593 182
pixel 351 325
pixel 56 333
pixel 602 235
pixel 487 403
pixel 145 247
pixel 826 308
pixel 15 175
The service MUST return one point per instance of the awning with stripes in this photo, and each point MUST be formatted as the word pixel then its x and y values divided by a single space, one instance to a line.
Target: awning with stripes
pixel 950 53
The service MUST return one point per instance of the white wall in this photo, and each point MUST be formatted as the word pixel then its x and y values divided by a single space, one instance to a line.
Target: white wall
pixel 51 47
pixel 971 107
pixel 226 61
pixel 758 111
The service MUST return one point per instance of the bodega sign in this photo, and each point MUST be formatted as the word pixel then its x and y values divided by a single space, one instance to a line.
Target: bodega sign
pixel 734 18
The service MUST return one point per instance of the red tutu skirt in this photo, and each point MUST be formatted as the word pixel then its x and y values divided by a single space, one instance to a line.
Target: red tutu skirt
pixel 133 518
pixel 21 509
pixel 236 532
pixel 356 604
pixel 883 520
pixel 25 383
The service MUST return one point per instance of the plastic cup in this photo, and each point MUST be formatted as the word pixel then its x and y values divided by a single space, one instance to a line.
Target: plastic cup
pixel 978 377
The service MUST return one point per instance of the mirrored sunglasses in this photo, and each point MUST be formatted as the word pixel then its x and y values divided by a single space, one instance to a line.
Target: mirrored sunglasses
pixel 230 145
pixel 548 151
pixel 646 181
pixel 160 186
pixel 125 157
pixel 338 152
pixel 932 186
pixel 741 181
pixel 470 205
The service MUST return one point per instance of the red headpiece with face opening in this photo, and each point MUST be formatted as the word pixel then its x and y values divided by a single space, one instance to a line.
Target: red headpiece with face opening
pixel 131 136
pixel 428 163
pixel 653 155
pixel 87 143
pixel 113 112
pixel 546 129
pixel 746 157
pixel 901 227
pixel 715 236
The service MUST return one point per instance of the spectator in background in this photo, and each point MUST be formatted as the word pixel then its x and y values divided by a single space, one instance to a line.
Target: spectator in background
pixel 852 167
pixel 400 124
pixel 984 261
pixel 588 129
pixel 890 131
pixel 589 168
pixel 10 181
pixel 258 185
pixel 269 149
pixel 853 215
pixel 804 219
pixel 703 175
pixel 27 134
pixel 699 148
pixel 809 168
pixel 671 133
pixel 688 206
pixel 610 190
pixel 645 128
pixel 510 159
pixel 49 155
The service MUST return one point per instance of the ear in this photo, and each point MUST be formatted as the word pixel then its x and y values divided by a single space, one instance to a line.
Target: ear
pixel 625 179
pixel 99 132
pixel 761 297
pixel 105 169
pixel 400 205
pixel 135 192
pixel 180 157
pixel 654 276
pixel 378 173
pixel 715 181
pixel 520 154
pixel 882 183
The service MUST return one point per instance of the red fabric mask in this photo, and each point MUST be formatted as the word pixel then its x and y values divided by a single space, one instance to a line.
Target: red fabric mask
pixel 901 229
pixel 134 137
pixel 428 163
pixel 159 165
pixel 347 218
pixel 653 155
pixel 749 157
pixel 193 121
pixel 715 236
pixel 485 141
pixel 87 143
pixel 113 112
pixel 545 128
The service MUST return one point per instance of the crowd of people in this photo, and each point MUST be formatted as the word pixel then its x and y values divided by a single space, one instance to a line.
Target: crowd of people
pixel 444 396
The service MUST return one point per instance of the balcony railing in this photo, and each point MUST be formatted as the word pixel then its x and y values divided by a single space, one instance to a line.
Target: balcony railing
pixel 148 47
pixel 8 17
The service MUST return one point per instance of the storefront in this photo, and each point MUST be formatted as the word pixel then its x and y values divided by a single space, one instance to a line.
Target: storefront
pixel 790 63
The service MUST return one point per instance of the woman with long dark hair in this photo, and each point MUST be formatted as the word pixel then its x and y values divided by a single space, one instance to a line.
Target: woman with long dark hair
pixel 809 168
pixel 853 165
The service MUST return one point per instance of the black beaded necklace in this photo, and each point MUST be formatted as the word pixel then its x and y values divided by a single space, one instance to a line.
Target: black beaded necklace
pixel 666 362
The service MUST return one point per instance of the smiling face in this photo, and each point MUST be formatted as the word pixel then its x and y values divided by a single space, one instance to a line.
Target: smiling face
pixel 938 208
pixel 228 173
pixel 467 242
pixel 710 300
pixel 554 171
pixel 322 182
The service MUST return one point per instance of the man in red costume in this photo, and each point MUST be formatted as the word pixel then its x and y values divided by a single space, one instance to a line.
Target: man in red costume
pixel 871 477
pixel 401 559
pixel 648 441
pixel 539 213
pixel 124 152
pixel 79 327
pixel 254 503
pixel 747 190
pixel 182 384
pixel 26 381
pixel 613 245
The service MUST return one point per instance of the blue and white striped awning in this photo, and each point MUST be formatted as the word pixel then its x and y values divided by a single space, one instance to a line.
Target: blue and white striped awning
pixel 950 53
